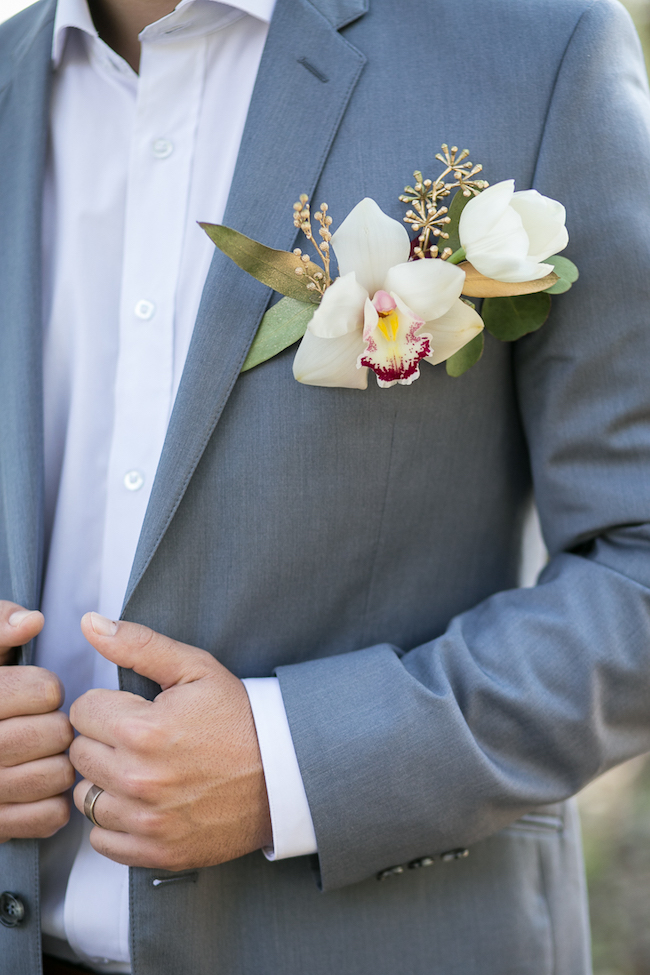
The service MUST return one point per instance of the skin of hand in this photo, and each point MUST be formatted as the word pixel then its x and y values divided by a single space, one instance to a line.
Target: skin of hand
pixel 35 772
pixel 183 776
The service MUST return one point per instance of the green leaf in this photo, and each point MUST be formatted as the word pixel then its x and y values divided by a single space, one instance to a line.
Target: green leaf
pixel 510 318
pixel 458 204
pixel 566 271
pixel 277 269
pixel 282 325
pixel 465 358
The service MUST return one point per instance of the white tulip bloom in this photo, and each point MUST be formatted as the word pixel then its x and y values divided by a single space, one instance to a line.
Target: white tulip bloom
pixel 508 235
pixel 384 312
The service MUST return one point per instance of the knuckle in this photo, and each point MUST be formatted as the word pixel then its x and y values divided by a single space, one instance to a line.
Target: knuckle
pixel 15 688
pixel 83 704
pixel 141 733
pixel 36 820
pixel 45 778
pixel 67 773
pixel 143 637
pixel 57 817
pixel 171 858
pixel 137 783
pixel 76 753
pixel 150 822
pixel 51 690
pixel 82 761
pixel 20 738
pixel 34 736
pixel 63 731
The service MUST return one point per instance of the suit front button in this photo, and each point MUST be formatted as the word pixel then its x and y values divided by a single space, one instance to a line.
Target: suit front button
pixel 459 854
pixel 12 910
pixel 390 872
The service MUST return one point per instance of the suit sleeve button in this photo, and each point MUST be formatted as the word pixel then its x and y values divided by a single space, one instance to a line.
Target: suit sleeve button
pixel 390 872
pixel 421 862
pixel 12 910
pixel 459 854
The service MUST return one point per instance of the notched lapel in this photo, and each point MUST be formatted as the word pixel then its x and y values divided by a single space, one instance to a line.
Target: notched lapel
pixel 25 51
pixel 307 74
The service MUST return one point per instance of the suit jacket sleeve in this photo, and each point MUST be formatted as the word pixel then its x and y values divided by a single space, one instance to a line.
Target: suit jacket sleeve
pixel 534 692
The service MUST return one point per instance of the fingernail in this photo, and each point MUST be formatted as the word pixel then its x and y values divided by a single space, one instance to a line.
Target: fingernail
pixel 103 626
pixel 19 616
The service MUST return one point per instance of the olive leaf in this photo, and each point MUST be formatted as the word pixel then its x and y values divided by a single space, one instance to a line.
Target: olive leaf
pixel 508 318
pixel 566 271
pixel 282 325
pixel 465 358
pixel 277 269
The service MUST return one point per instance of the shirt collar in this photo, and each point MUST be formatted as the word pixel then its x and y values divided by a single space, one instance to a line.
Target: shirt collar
pixel 75 14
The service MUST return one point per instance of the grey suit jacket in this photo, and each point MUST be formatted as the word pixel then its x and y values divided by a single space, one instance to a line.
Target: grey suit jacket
pixel 364 545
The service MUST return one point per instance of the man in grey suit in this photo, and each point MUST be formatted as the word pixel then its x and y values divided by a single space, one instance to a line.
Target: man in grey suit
pixel 363 546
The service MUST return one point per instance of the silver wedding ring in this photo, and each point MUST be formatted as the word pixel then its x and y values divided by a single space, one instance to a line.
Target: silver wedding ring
pixel 93 794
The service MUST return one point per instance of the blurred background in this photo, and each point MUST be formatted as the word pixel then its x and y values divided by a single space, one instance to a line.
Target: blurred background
pixel 615 809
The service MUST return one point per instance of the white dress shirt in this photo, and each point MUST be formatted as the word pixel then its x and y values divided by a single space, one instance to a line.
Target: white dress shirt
pixel 134 162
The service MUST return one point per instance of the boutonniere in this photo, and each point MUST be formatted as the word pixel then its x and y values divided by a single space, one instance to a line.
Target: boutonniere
pixel 401 299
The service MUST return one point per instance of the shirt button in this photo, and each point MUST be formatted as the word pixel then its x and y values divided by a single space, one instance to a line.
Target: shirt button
pixel 162 148
pixel 133 480
pixel 145 309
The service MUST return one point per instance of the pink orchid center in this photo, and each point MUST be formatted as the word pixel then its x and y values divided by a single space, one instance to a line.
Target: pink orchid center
pixel 383 303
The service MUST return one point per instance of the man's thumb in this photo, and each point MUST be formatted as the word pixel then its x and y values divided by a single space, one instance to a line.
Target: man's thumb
pixel 150 654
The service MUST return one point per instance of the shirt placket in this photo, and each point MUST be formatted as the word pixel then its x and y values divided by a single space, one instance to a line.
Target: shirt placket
pixel 159 177
pixel 158 183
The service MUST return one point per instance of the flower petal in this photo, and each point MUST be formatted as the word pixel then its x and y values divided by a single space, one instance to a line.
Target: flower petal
pixel 481 214
pixel 341 308
pixel 428 287
pixel 503 253
pixel 370 242
pixel 395 345
pixel 452 331
pixel 543 220
pixel 370 320
pixel 330 362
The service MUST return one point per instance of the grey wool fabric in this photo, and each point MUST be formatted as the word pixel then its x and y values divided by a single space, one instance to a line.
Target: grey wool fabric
pixel 364 545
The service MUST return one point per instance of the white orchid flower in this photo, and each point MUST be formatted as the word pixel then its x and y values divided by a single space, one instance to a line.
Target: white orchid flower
pixel 384 312
pixel 508 235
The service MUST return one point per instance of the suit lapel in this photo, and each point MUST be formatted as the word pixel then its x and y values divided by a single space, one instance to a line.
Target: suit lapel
pixel 306 77
pixel 24 108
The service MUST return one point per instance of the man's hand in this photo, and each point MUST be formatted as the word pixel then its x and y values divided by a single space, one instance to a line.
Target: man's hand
pixel 34 734
pixel 183 777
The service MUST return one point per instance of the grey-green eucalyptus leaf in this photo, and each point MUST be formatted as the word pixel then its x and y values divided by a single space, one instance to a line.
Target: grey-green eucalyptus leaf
pixel 282 325
pixel 566 271
pixel 508 319
pixel 465 358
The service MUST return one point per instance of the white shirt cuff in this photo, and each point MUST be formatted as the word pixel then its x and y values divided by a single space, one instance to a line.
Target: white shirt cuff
pixel 293 829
